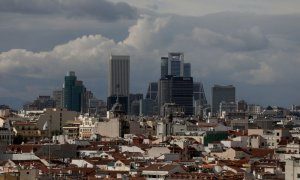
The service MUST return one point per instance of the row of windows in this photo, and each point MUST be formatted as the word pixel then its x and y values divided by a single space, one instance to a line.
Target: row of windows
pixel 5 137
pixel 85 130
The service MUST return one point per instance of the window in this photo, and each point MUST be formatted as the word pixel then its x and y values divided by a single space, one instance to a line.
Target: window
pixel 298 176
pixel 277 134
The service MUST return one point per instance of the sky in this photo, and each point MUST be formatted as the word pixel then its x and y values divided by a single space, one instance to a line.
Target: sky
pixel 253 45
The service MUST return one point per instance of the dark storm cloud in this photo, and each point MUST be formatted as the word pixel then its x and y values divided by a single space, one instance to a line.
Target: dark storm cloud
pixel 256 53
pixel 98 9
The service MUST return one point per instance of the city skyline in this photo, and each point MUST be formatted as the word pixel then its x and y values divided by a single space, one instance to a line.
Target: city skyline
pixel 250 45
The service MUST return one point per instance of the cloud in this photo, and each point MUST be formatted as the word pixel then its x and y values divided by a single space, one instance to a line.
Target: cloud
pixel 244 54
pixel 101 10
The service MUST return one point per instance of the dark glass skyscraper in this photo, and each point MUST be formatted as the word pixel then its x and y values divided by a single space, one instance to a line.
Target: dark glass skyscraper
pixel 178 90
pixel 70 80
pixel 175 64
pixel 187 70
pixel 74 93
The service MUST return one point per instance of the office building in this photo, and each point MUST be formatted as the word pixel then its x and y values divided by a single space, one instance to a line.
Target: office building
pixel 111 100
pixel 152 91
pixel 134 103
pixel 187 70
pixel 58 97
pixel 118 81
pixel 219 94
pixel 199 98
pixel 119 69
pixel 74 93
pixel 175 64
pixel 178 90
pixel 164 66
pixel 40 103
pixel 147 107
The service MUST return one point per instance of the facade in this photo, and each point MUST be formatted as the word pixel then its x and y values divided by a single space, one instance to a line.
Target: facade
pixel 134 103
pixel 54 119
pixel 187 70
pixel 119 75
pixel 28 130
pixel 164 67
pixel 178 90
pixel 147 107
pixel 118 81
pixel 40 103
pixel 292 168
pixel 152 91
pixel 6 134
pixel 71 130
pixel 219 94
pixel 58 97
pixel 85 128
pixel 74 93
pixel 199 98
pixel 176 64
pixel 111 100
pixel 226 108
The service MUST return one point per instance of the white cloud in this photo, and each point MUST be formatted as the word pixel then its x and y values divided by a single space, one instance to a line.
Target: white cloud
pixel 247 55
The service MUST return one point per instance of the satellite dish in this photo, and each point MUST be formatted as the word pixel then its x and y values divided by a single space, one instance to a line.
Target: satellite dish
pixel 217 169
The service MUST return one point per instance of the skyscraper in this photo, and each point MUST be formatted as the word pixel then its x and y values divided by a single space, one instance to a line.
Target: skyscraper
pixel 152 91
pixel 199 98
pixel 187 70
pixel 175 64
pixel 178 90
pixel 219 94
pixel 119 69
pixel 74 93
pixel 118 80
pixel 164 67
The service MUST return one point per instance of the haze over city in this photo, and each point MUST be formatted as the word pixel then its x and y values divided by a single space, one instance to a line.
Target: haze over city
pixel 253 45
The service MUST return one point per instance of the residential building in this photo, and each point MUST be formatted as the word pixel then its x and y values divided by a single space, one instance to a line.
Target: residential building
pixel 292 169
pixel 54 119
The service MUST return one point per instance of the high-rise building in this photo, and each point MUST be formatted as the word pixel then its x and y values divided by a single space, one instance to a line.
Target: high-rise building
pixel 219 94
pixel 74 93
pixel 187 70
pixel 152 91
pixel 134 100
pixel 199 94
pixel 164 67
pixel 58 97
pixel 175 64
pixel 178 90
pixel 118 81
pixel 199 98
pixel 119 70
pixel 147 107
